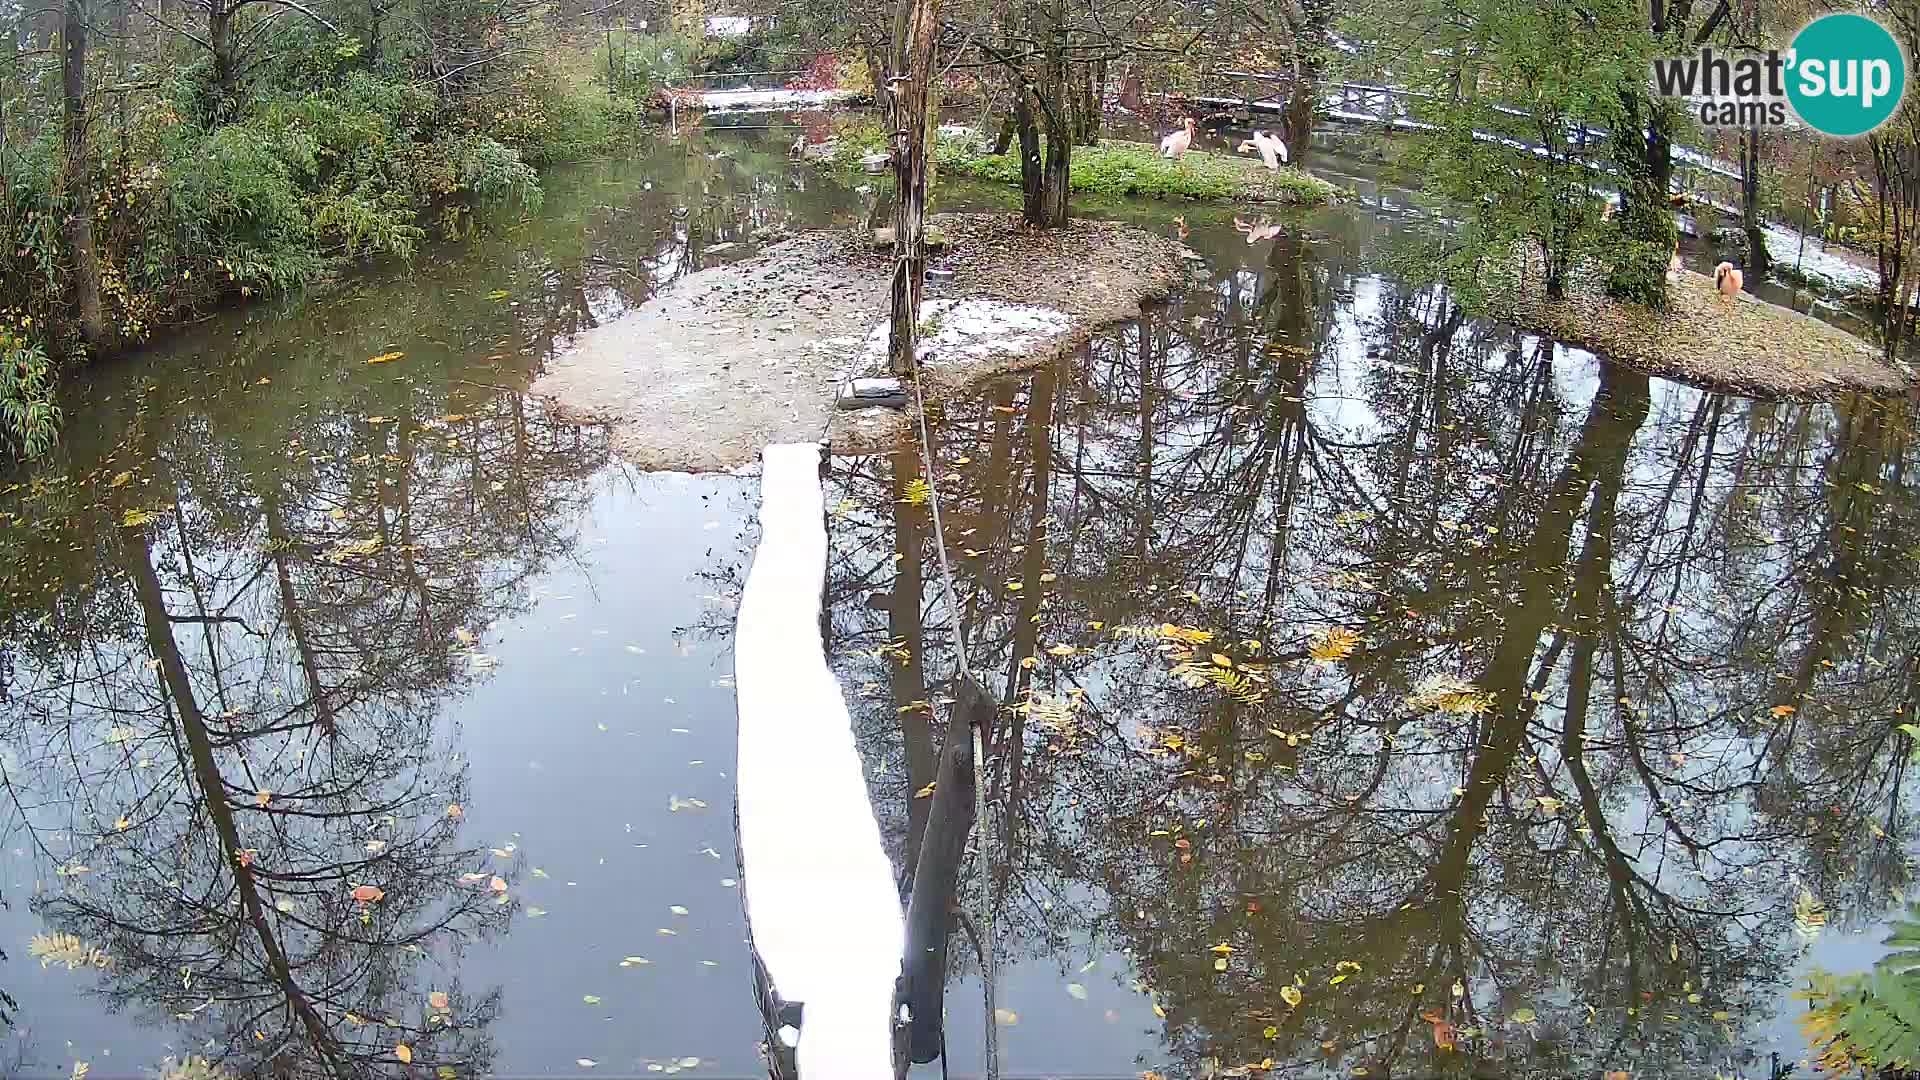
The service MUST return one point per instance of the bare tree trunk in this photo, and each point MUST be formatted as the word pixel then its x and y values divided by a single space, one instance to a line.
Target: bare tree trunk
pixel 1299 117
pixel 79 181
pixel 907 102
pixel 226 77
pixel 1030 172
pixel 1054 108
pixel 1751 218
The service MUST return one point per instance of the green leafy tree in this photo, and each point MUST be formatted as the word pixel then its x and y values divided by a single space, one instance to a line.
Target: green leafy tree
pixel 1508 79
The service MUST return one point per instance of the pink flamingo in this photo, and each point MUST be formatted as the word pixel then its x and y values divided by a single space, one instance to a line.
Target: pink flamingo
pixel 1179 142
pixel 1728 280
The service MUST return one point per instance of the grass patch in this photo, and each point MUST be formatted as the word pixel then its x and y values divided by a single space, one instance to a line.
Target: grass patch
pixel 1122 168
pixel 1743 344
pixel 1110 169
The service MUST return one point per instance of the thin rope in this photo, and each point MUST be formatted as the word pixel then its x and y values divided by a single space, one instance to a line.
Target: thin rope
pixel 989 964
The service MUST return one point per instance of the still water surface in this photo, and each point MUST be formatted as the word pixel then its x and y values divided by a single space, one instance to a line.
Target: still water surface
pixel 1353 652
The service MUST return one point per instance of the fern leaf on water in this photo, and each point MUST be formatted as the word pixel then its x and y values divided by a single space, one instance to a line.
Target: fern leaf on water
pixel 1871 1020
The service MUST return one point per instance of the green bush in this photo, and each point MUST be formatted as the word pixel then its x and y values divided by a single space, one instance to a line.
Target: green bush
pixel 321 161
pixel 29 420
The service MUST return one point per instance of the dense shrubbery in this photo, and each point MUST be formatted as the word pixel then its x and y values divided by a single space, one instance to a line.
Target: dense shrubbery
pixel 323 159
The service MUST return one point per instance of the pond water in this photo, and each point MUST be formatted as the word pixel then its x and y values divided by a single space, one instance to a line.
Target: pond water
pixel 1361 661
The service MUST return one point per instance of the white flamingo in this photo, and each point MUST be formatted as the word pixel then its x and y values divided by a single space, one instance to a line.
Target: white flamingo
pixel 1272 150
pixel 1179 142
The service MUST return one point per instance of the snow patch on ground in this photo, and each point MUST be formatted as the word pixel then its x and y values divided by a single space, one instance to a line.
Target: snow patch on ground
pixel 973 329
pixel 1784 245
pixel 734 100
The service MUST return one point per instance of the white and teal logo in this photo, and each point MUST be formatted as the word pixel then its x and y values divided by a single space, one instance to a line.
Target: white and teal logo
pixel 1847 74
pixel 1843 76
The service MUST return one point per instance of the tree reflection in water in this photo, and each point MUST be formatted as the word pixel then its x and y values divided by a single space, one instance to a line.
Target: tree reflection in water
pixel 1686 620
pixel 224 739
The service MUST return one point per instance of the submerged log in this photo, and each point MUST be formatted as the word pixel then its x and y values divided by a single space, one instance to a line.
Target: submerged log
pixel 931 906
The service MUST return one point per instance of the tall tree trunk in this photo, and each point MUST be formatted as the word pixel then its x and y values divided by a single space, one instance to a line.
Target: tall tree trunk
pixel 1298 121
pixel 1643 153
pixel 1751 218
pixel 907 103
pixel 226 63
pixel 79 181
pixel 1030 170
pixel 377 11
pixel 1054 110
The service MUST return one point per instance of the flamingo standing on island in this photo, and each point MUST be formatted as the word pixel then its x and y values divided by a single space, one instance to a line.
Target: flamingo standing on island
pixel 1178 143
pixel 1272 150
pixel 1728 280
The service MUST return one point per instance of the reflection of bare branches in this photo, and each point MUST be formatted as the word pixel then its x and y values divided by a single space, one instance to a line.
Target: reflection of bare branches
pixel 235 731
pixel 1618 585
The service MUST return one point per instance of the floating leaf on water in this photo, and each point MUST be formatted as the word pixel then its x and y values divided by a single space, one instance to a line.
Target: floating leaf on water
pixel 1291 995
pixel 121 479
pixel 65 949
pixel 1459 989
pixel 385 358
pixel 437 1001
pixel 1809 915
pixel 677 909
pixel 375 847
pixel 1448 694
pixel 1062 650
pixel 591 999
pixel 1523 1016
pixel 497 884
pixel 1780 712
pixel 1006 1017
pixel 1548 803
pixel 262 797
pixel 455 812
pixel 1077 991
pixel 1270 1032
pixel 1333 645
pixel 634 961
pixel 368 894
pixel 1220 964
pixel 689 1062
pixel 133 519
pixel 925 791
pixel 446 1072
pixel 585 1063
pixel 80 1070
pixel 535 912
pixel 404 1053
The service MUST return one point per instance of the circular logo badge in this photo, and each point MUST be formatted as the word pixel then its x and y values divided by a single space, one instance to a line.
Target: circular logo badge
pixel 1846 75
